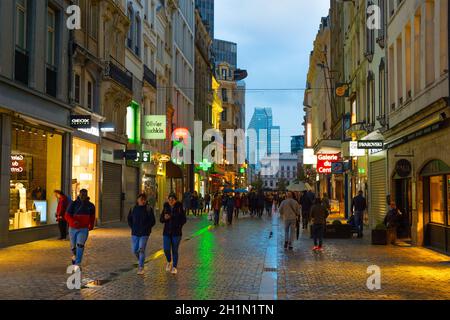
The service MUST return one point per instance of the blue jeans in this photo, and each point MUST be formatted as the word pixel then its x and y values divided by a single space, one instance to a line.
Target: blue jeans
pixel 78 238
pixel 138 246
pixel 359 216
pixel 318 231
pixel 171 244
pixel 289 227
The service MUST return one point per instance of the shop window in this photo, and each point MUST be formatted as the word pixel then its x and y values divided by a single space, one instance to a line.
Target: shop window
pixel 84 164
pixel 437 203
pixel 36 171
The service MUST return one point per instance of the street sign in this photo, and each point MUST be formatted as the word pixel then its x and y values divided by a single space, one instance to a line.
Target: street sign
pixel 337 168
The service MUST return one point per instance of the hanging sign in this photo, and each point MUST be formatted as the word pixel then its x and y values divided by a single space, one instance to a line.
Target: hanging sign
pixel 155 127
pixel 324 162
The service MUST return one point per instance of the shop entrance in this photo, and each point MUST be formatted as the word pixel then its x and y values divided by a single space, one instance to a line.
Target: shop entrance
pixel 111 192
pixel 84 169
pixel 403 200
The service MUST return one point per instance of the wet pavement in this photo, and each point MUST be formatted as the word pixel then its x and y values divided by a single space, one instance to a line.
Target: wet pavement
pixel 243 261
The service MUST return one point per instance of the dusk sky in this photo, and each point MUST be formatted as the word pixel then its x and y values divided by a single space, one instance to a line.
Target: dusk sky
pixel 274 41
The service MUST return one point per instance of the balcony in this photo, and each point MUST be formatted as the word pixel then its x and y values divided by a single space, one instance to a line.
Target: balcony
pixel 115 71
pixel 150 77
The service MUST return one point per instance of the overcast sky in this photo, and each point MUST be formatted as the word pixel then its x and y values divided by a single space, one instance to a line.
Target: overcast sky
pixel 274 38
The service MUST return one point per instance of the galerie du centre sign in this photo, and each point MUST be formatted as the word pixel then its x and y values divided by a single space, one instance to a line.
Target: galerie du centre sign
pixel 325 162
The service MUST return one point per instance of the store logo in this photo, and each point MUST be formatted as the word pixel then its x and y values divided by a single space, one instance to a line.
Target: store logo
pixel 325 161
pixel 80 122
pixel 74 280
pixel 374 280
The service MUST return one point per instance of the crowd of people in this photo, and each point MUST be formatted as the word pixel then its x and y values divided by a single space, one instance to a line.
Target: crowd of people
pixel 296 209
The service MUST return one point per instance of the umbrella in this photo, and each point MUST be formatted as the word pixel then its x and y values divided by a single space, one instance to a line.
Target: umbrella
pixel 299 187
pixel 228 190
pixel 241 190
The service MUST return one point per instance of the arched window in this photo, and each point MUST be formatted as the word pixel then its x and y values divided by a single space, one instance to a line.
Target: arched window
pixel 130 15
pixel 382 88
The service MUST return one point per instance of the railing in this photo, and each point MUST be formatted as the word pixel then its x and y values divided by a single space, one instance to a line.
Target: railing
pixel 150 77
pixel 119 73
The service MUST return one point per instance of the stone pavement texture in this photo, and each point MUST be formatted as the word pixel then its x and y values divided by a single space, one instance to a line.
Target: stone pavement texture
pixel 224 263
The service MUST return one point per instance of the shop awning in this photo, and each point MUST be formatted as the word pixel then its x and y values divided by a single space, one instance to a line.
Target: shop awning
pixel 173 171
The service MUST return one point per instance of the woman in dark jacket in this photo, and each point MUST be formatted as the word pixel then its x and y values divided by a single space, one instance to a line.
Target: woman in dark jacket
pixel 141 220
pixel 173 217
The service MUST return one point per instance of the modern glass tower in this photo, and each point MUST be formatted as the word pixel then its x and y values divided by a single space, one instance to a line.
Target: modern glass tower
pixel 206 8
pixel 263 138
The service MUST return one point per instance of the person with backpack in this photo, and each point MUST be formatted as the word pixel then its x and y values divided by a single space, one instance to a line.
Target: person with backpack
pixel 80 216
pixel 174 218
pixel 141 220
pixel 63 204
pixel 290 212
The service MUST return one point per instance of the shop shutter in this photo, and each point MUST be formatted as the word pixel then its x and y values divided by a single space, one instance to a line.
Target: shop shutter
pixel 131 187
pixel 111 192
pixel 377 192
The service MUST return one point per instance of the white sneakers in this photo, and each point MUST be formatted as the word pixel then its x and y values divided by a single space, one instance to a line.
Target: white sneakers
pixel 170 269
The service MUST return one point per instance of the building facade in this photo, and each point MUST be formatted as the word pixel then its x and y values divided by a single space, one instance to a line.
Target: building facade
pixel 34 114
pixel 206 9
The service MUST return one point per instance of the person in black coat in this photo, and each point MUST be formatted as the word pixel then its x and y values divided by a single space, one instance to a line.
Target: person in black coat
pixel 306 203
pixel 173 217
pixel 141 220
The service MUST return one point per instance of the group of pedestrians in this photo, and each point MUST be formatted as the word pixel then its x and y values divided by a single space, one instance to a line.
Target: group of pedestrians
pixel 79 218
pixel 195 202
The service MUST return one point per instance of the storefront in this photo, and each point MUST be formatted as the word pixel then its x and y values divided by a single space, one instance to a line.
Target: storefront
pixel 85 169
pixel 436 204
pixel 35 172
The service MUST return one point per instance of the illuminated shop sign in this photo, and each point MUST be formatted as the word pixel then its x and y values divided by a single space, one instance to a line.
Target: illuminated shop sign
pixel 370 145
pixel 17 163
pixel 80 122
pixel 155 127
pixel 324 162
pixel 355 151
pixel 309 157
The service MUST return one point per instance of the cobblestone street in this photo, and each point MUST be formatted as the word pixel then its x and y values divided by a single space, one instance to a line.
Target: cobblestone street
pixel 225 263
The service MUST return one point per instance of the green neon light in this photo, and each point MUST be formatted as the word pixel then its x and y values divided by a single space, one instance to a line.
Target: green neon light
pixel 134 123
pixel 205 165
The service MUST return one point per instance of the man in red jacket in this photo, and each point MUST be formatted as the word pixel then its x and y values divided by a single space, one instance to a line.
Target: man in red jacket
pixel 81 219
pixel 63 203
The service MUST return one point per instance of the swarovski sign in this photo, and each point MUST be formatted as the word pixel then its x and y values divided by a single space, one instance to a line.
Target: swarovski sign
pixel 370 145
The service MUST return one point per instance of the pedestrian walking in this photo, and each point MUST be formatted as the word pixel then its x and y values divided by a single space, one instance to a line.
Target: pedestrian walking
pixel 306 204
pixel 173 217
pixel 290 212
pixel 252 203
pixel 63 204
pixel 201 204
pixel 319 215
pixel 208 202
pixel 359 205
pixel 187 198
pixel 237 205
pixel 268 201
pixel 260 200
pixel 392 221
pixel 229 205
pixel 216 205
pixel 195 203
pixel 141 220
pixel 80 216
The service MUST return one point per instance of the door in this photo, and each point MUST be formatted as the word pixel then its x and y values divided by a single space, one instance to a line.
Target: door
pixel 403 199
pixel 111 192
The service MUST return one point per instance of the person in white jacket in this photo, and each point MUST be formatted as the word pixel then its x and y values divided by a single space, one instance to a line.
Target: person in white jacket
pixel 289 211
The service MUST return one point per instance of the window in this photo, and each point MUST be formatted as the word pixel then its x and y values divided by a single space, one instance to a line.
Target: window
pixel 130 29
pixel 382 88
pixel 21 24
pixel 370 98
pixel 77 84
pixel 50 37
pixel 437 201
pixel 224 114
pixel 224 95
pixel 429 42
pixel 35 173
pixel 90 95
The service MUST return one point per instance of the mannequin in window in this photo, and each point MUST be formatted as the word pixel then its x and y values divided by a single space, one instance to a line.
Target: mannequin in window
pixel 22 196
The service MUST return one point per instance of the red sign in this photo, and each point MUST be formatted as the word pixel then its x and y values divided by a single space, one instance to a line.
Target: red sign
pixel 17 163
pixel 324 162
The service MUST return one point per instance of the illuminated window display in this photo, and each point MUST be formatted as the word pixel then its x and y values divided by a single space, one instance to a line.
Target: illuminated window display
pixel 36 165
pixel 84 172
